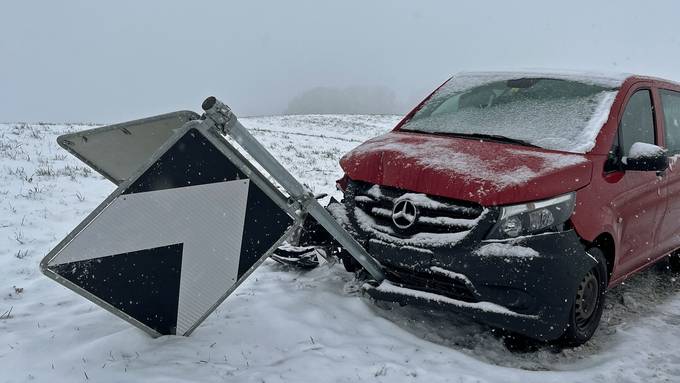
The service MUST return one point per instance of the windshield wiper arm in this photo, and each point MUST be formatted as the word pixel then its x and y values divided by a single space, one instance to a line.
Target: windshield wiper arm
pixel 492 137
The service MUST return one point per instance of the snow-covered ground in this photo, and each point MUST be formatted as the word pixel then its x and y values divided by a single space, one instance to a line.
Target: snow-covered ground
pixel 281 325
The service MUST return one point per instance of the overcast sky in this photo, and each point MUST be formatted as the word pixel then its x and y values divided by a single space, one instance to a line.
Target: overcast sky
pixel 88 61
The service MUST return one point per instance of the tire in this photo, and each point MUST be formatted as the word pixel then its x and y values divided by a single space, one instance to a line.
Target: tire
pixel 351 265
pixel 674 261
pixel 586 311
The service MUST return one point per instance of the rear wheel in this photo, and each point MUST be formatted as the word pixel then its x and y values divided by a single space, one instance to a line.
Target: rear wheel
pixel 586 310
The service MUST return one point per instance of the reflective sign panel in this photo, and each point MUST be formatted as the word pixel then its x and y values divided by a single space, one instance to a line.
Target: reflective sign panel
pixel 171 243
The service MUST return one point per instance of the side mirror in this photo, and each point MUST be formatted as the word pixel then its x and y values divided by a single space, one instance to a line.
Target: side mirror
pixel 645 157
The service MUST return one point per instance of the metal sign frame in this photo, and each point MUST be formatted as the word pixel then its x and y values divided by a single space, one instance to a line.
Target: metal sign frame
pixel 154 132
pixel 223 119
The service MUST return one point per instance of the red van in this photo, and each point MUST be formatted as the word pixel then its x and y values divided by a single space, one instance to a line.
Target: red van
pixel 519 198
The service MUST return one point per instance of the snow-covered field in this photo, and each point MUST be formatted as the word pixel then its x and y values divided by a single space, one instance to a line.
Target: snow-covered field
pixel 281 325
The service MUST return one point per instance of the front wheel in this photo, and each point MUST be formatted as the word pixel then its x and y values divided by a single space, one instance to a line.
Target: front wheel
pixel 351 265
pixel 586 310
pixel 674 261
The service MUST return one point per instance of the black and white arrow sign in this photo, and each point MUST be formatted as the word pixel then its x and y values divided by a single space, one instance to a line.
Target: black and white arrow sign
pixel 167 248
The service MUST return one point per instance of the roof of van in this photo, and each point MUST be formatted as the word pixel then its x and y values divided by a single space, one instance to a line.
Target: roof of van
pixel 609 80
pixel 606 79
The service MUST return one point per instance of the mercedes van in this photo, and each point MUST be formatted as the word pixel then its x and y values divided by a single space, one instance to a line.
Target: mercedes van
pixel 520 198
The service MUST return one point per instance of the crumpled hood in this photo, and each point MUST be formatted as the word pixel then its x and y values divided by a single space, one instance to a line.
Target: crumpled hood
pixel 486 172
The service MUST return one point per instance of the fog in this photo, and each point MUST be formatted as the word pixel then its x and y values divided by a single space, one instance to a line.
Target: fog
pixel 353 100
pixel 87 61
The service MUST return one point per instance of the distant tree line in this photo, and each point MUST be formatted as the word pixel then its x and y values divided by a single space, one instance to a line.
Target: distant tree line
pixel 350 100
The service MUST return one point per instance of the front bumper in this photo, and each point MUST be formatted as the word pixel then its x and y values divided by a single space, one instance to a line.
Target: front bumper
pixel 524 285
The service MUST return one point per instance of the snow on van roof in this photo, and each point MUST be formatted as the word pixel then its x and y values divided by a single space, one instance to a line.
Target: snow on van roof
pixel 467 80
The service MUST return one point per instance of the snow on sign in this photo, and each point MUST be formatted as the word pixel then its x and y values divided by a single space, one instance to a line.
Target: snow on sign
pixel 186 225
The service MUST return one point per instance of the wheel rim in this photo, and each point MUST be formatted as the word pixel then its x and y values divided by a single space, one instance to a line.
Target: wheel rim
pixel 587 297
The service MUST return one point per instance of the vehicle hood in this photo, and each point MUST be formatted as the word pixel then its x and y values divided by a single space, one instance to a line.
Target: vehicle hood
pixel 489 173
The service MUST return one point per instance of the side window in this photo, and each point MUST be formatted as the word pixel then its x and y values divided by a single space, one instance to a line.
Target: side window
pixel 671 115
pixel 637 123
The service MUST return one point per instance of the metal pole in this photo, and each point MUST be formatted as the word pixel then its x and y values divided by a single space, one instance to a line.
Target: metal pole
pixel 223 118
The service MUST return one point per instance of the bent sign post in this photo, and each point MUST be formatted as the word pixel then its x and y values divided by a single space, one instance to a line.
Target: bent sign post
pixel 185 228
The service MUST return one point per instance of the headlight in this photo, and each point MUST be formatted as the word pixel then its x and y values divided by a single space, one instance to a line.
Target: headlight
pixel 533 217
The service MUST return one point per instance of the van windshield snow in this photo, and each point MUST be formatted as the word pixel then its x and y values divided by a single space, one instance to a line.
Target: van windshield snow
pixel 550 113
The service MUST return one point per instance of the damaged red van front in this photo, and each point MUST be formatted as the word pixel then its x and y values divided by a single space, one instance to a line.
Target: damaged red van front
pixel 478 201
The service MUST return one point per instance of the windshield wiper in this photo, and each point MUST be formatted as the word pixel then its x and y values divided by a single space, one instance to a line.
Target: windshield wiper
pixel 490 137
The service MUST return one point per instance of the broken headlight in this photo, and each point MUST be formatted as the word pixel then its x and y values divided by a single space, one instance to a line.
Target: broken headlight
pixel 533 217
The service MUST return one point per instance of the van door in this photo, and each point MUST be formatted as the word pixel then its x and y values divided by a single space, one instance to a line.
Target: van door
pixel 641 202
pixel 669 232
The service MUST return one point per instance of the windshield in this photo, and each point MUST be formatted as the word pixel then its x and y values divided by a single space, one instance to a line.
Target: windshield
pixel 550 113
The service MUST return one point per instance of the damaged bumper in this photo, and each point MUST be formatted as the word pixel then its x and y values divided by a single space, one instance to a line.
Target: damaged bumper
pixel 524 285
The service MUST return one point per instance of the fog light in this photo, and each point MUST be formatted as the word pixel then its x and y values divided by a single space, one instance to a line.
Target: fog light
pixel 541 218
pixel 512 226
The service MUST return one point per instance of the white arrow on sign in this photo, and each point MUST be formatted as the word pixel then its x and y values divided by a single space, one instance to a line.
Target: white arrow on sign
pixel 208 219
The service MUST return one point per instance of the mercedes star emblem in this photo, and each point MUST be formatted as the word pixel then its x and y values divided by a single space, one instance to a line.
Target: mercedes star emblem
pixel 404 214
